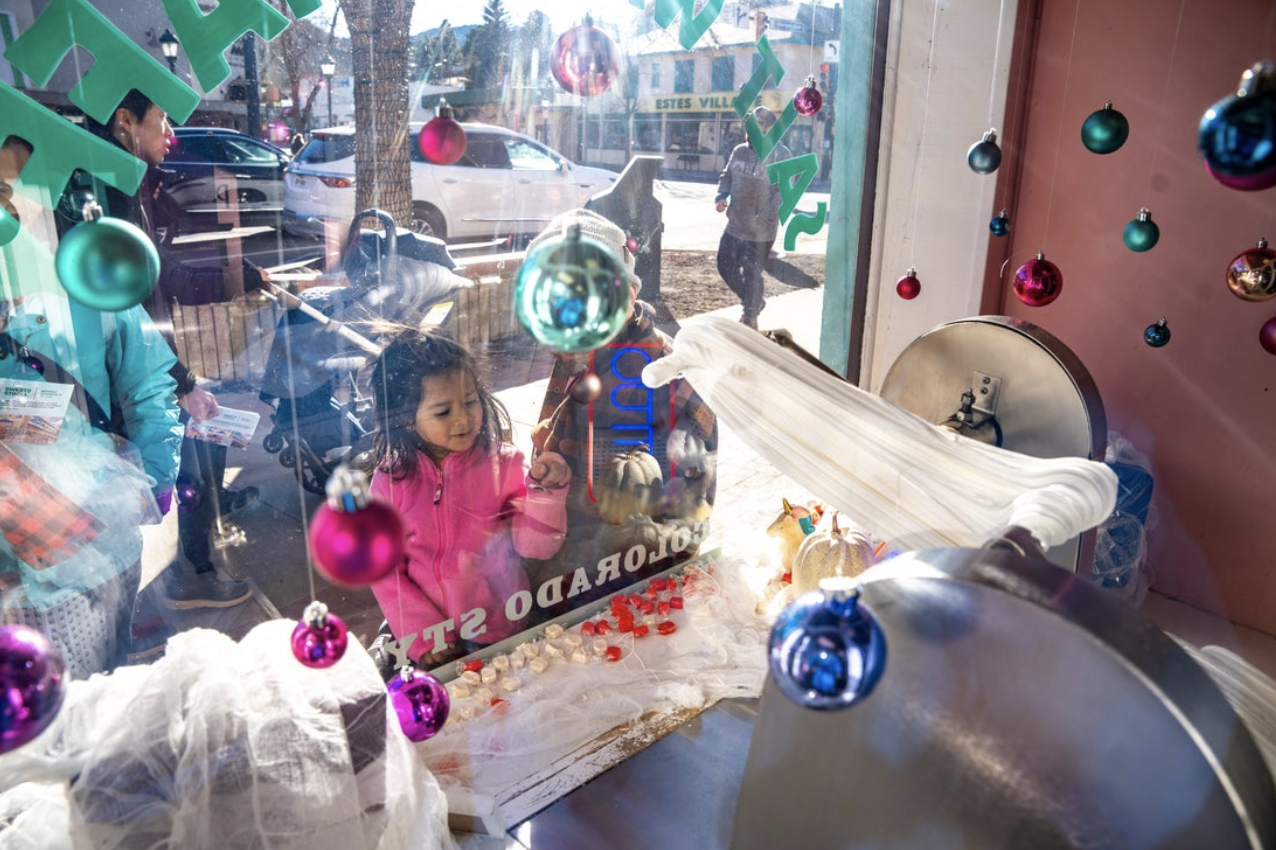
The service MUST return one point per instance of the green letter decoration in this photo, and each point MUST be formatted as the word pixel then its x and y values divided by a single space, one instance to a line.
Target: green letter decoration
pixel 206 36
pixel 118 64
pixel 693 26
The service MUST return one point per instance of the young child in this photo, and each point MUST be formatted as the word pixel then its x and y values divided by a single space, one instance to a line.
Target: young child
pixel 471 505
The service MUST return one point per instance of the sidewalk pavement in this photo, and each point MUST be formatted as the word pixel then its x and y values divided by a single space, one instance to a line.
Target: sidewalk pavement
pixel 265 545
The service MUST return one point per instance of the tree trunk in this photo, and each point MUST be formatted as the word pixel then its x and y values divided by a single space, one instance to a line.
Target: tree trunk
pixel 379 47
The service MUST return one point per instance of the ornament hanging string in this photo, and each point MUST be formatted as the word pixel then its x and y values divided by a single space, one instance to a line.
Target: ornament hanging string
pixel 1165 96
pixel 1063 104
pixel 992 98
pixel 921 140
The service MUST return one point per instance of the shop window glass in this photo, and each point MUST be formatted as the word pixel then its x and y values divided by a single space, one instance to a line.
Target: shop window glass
pixel 723 74
pixel 655 76
pixel 684 76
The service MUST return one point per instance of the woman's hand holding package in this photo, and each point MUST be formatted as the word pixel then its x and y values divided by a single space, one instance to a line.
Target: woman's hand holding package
pixel 200 404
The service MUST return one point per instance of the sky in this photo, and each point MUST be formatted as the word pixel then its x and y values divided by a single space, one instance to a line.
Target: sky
pixel 428 14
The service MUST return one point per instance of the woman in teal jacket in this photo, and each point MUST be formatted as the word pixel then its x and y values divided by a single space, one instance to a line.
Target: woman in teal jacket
pixel 70 554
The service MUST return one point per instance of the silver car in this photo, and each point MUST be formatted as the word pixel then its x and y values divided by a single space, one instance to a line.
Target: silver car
pixel 507 185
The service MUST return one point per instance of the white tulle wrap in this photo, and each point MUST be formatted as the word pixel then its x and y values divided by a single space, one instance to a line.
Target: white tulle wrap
pixel 901 478
pixel 223 744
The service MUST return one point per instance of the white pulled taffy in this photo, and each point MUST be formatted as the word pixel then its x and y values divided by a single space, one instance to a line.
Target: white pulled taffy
pixel 907 481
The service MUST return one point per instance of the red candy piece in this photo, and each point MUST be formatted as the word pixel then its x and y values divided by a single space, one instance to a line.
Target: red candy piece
pixel 647 606
pixel 675 602
pixel 667 627
pixel 475 665
pixel 626 625
pixel 587 628
pixel 619 603
pixel 612 653
pixel 652 590
pixel 497 700
pixel 662 608
pixel 602 627
pixel 787 578
pixel 635 599
pixel 657 584
pixel 639 631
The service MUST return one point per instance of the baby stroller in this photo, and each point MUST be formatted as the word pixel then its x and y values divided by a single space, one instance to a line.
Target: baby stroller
pixel 323 413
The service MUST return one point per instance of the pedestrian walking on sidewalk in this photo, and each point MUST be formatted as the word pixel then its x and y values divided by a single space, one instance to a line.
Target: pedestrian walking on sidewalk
pixel 142 128
pixel 752 204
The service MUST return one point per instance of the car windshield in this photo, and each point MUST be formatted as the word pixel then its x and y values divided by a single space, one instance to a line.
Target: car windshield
pixel 327 148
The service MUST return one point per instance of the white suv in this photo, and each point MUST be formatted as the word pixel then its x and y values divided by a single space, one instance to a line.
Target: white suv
pixel 506 185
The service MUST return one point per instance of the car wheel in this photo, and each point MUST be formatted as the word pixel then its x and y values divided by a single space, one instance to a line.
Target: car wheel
pixel 428 221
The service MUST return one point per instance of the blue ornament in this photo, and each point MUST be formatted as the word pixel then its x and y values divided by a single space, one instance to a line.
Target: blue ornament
pixel 826 650
pixel 1000 225
pixel 984 156
pixel 1141 234
pixel 106 263
pixel 1237 135
pixel 572 293
pixel 1157 335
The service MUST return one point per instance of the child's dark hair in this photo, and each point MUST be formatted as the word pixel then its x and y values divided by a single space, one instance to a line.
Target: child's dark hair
pixel 411 357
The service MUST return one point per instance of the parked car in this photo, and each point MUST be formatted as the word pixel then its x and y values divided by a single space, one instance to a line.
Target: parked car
pixel 506 185
pixel 209 170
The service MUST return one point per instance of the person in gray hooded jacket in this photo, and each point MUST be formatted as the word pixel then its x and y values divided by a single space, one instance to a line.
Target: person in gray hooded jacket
pixel 752 204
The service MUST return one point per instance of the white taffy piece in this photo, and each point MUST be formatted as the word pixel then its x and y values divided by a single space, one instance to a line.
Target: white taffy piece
pixel 907 481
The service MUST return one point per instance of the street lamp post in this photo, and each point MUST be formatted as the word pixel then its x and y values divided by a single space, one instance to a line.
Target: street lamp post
pixel 168 46
pixel 328 67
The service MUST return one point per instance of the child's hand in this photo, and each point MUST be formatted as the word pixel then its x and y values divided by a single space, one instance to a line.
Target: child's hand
pixel 550 471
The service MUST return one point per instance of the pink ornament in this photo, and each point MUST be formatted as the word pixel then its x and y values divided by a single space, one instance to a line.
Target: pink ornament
pixel 355 540
pixel 31 672
pixel 1247 183
pixel 420 702
pixel 1267 336
pixel 584 60
pixel 442 140
pixel 1038 282
pixel 908 287
pixel 320 638
pixel 808 99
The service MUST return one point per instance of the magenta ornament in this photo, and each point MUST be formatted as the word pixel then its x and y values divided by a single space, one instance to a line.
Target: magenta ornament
pixel 442 140
pixel 1251 275
pixel 354 539
pixel 420 702
pixel 1267 335
pixel 584 60
pixel 808 99
pixel 908 287
pixel 320 639
pixel 31 685
pixel 1038 282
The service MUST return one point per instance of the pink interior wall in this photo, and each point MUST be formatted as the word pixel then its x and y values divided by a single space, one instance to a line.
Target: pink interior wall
pixel 1203 408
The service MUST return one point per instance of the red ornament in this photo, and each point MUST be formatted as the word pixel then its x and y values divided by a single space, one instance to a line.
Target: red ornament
pixel 442 140
pixel 1267 336
pixel 320 639
pixel 808 99
pixel 908 287
pixel 584 60
pixel 1251 275
pixel 1038 282
pixel 354 540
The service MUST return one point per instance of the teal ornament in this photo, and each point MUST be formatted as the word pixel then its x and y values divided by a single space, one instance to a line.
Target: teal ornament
pixel 572 293
pixel 1158 334
pixel 105 263
pixel 1104 130
pixel 1141 234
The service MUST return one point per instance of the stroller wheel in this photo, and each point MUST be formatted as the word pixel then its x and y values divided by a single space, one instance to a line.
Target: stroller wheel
pixel 288 457
pixel 273 442
pixel 314 479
